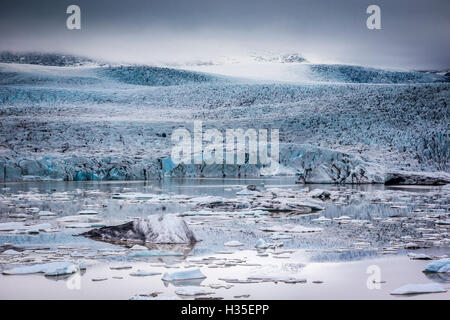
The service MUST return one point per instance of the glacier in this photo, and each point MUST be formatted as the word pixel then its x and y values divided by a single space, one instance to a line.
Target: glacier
pixel 74 119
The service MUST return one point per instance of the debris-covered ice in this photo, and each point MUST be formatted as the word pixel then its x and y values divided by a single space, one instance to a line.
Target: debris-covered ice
pixel 168 228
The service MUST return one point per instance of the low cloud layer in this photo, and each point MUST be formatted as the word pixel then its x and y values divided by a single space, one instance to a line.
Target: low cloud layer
pixel 414 33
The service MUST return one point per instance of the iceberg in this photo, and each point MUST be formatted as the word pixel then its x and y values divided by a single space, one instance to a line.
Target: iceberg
pixel 440 266
pixel 184 275
pixel 165 228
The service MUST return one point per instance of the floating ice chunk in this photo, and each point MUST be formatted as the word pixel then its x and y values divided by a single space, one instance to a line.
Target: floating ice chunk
pixel 184 275
pixel 268 278
pixel 11 226
pixel 137 247
pixel 120 267
pixel 261 244
pixel 49 269
pixel 443 222
pixel 321 219
pixel 342 218
pixel 19 215
pixel 146 297
pixel 290 228
pixel 87 212
pixel 11 252
pixel 192 291
pixel 233 244
pixel 143 273
pixel 165 228
pixel 418 289
pixel 320 194
pixel 412 245
pixel 153 253
pixel 419 256
pixel 46 214
pixel 82 225
pixel 281 237
pixel 219 286
pixel 442 265
pixel 244 191
pixel 99 279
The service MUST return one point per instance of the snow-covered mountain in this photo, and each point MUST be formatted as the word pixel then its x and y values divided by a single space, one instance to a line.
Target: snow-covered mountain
pixel 74 119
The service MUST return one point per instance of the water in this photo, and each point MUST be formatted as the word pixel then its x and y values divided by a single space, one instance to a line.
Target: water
pixel 382 221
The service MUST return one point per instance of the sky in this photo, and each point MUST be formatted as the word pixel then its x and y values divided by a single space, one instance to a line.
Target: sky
pixel 415 34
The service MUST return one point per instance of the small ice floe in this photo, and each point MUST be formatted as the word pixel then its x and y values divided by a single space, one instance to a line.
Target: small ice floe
pixel 137 247
pixel 20 228
pixel 164 228
pixel 10 226
pixel 87 212
pixel 413 245
pixel 11 252
pixel 439 266
pixel 342 218
pixel 443 222
pixel 320 194
pixel 49 269
pixel 145 297
pixel 321 219
pixel 242 281
pixel 233 243
pixel 290 228
pixel 281 237
pixel 398 207
pixel 19 216
pixel 33 210
pixel 82 225
pixel 317 281
pixel 219 286
pixel 143 273
pixel 154 253
pixel 361 244
pixel 99 279
pixel 125 267
pixel 419 256
pixel 184 275
pixel 192 291
pixel 262 254
pixel 224 252
pixel 261 244
pixel 80 219
pixel 418 289
pixel 46 214
pixel 268 278
pixel 245 192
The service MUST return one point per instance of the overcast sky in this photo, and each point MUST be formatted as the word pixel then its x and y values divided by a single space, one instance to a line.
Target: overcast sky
pixel 415 33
